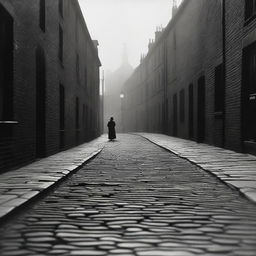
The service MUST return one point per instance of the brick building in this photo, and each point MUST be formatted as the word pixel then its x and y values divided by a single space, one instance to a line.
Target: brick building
pixel 241 74
pixel 197 80
pixel 49 80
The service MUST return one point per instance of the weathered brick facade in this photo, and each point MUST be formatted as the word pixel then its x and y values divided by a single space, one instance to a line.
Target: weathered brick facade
pixel 190 82
pixel 55 81
pixel 240 35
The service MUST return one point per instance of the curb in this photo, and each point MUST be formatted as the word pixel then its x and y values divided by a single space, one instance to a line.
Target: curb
pixel 231 186
pixel 42 193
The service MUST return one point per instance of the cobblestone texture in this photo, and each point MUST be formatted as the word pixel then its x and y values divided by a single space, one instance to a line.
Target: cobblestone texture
pixel 135 199
pixel 19 186
pixel 236 169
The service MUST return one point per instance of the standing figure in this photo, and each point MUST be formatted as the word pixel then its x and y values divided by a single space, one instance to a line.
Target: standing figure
pixel 111 129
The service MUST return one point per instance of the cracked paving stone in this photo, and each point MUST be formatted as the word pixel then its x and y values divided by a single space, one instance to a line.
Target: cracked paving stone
pixel 134 199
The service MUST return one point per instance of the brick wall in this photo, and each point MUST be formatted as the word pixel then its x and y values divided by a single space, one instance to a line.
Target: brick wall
pixel 234 36
pixel 28 36
pixel 198 49
pixel 193 47
pixel 190 46
pixel 240 35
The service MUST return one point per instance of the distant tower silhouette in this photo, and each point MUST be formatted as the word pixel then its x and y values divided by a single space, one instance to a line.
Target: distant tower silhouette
pixel 174 7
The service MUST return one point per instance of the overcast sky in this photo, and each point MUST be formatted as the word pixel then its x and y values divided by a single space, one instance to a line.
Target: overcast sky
pixel 115 22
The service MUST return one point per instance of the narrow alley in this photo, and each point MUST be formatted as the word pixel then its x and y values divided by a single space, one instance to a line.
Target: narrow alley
pixel 135 198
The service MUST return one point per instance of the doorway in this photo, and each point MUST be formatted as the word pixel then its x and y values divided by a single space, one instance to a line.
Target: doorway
pixel 40 104
pixel 6 65
pixel 191 111
pixel 249 97
pixel 201 110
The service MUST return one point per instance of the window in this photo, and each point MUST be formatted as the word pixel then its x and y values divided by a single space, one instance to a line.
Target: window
pixel 6 66
pixel 42 14
pixel 249 93
pixel 250 9
pixel 219 89
pixel 182 106
pixel 61 8
pixel 201 113
pixel 191 111
pixel 60 44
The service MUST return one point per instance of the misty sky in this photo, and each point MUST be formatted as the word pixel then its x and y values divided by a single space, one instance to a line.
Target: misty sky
pixel 115 22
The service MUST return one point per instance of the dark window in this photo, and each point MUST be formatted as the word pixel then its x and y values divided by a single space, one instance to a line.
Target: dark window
pixel 201 109
pixel 60 44
pixel 61 8
pixel 219 89
pixel 249 93
pixel 42 14
pixel 62 115
pixel 250 8
pixel 77 68
pixel 182 106
pixel 6 66
pixel 191 111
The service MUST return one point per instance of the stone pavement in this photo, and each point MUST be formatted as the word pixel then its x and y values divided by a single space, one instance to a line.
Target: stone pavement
pixel 235 169
pixel 19 186
pixel 135 199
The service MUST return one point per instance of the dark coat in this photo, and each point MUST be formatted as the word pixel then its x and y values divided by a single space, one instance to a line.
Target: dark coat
pixel 111 130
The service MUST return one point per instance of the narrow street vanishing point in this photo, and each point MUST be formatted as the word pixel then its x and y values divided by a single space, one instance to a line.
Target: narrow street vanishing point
pixel 135 198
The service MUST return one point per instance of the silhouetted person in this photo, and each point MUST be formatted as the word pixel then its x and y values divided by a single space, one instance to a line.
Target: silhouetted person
pixel 111 129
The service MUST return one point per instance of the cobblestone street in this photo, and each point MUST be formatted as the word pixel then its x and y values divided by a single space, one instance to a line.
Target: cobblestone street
pixel 135 198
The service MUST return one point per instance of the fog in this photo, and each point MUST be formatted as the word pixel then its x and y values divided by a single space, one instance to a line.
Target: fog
pixel 119 25
pixel 117 22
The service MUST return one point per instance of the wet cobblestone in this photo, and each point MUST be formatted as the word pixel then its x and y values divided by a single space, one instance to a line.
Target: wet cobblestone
pixel 135 199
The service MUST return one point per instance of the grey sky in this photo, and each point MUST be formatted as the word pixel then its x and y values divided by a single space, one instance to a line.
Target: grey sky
pixel 115 22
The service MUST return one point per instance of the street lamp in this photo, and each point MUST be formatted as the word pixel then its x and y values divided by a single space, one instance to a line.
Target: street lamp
pixel 121 95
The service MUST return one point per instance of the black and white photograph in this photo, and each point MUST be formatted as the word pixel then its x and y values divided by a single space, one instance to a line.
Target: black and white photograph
pixel 127 127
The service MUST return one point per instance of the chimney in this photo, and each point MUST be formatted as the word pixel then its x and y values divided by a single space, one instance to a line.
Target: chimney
pixel 174 8
pixel 142 57
pixel 96 44
pixel 151 42
pixel 158 33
